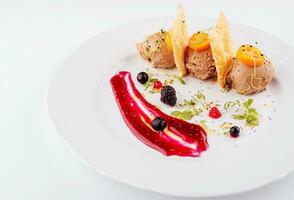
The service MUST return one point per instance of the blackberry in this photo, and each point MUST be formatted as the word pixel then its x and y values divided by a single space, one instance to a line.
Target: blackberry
pixel 168 95
pixel 167 89
pixel 158 123
pixel 142 77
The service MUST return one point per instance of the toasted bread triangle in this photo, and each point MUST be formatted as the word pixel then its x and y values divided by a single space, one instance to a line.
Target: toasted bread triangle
pixel 179 36
pixel 222 48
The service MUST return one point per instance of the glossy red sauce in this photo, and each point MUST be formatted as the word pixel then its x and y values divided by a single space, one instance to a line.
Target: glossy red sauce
pixel 178 138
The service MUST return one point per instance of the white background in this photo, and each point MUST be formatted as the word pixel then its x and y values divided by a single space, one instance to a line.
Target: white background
pixel 35 37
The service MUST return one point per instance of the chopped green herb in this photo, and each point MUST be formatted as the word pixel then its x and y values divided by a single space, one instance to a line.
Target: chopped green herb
pixel 226 125
pixel 192 107
pixel 186 115
pixel 189 103
pixel 239 117
pixel 149 83
pixel 200 96
pixel 229 104
pixel 168 82
pixel 180 79
pixel 250 114
pixel 196 112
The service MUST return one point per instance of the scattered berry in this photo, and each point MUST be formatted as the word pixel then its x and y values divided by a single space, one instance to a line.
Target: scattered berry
pixel 168 95
pixel 234 131
pixel 142 77
pixel 214 113
pixel 157 85
pixel 167 89
pixel 158 123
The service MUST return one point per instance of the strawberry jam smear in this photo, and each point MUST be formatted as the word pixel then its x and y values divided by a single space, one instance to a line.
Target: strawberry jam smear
pixel 179 137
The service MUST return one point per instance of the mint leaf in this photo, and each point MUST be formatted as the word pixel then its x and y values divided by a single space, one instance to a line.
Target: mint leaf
pixel 250 114
pixel 253 117
pixel 252 122
pixel 253 112
pixel 248 103
pixel 192 108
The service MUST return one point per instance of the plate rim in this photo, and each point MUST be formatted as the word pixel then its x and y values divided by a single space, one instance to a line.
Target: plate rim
pixel 101 172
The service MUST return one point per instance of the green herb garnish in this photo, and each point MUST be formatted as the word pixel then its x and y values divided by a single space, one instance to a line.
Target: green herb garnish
pixel 192 108
pixel 248 103
pixel 189 103
pixel 229 104
pixel 186 114
pixel 149 83
pixel 200 97
pixel 180 79
pixel 226 125
pixel 250 114
pixel 168 81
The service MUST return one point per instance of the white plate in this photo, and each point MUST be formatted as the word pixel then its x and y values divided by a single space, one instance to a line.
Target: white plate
pixel 82 106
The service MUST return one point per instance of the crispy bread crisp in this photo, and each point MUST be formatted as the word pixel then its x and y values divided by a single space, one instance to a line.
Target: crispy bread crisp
pixel 179 37
pixel 222 48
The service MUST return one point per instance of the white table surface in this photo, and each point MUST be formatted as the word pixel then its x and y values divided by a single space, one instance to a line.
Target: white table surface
pixel 35 37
